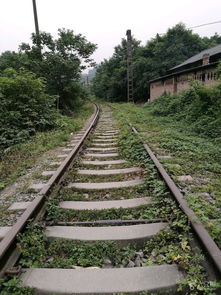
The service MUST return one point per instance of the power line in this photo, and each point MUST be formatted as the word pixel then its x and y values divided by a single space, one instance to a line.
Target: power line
pixel 205 25
pixel 202 25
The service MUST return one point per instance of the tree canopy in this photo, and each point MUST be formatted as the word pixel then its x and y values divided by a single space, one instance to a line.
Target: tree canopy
pixel 149 61
pixel 40 76
pixel 59 61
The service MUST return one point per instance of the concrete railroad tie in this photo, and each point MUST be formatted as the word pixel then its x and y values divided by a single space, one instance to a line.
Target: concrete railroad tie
pixel 105 140
pixel 101 149
pixel 103 205
pixel 102 281
pixel 123 235
pixel 98 155
pixel 97 163
pixel 104 144
pixel 109 171
pixel 106 185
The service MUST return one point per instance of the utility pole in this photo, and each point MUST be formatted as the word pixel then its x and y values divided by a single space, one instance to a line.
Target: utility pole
pixel 130 97
pixel 35 17
pixel 37 27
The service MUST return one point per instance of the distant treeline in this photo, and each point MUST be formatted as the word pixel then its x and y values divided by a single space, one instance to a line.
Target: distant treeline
pixel 150 61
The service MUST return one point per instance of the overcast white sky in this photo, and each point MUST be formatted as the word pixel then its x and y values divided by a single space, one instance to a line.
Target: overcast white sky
pixel 104 22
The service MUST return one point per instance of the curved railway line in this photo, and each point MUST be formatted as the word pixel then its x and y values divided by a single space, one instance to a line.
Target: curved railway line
pixel 93 180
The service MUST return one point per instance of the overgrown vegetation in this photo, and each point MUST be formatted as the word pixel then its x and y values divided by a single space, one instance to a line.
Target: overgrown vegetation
pixel 25 107
pixel 37 251
pixel 173 245
pixel 42 78
pixel 200 107
pixel 149 61
pixel 191 154
pixel 14 287
pixel 102 195
pixel 55 213
pixel 18 158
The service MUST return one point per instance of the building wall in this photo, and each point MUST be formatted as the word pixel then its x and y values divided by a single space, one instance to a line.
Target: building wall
pixel 156 89
pixel 180 82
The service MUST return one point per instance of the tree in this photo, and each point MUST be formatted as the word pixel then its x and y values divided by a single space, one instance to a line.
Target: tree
pixel 150 61
pixel 110 81
pixel 25 108
pixel 59 61
pixel 13 60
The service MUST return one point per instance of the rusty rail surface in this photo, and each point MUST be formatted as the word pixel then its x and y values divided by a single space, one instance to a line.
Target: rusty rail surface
pixel 207 242
pixel 8 244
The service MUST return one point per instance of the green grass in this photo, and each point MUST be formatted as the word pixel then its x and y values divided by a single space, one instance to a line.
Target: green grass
pixel 17 159
pixel 192 154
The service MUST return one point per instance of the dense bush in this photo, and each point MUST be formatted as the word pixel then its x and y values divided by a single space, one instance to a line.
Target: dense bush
pixel 24 107
pixel 199 106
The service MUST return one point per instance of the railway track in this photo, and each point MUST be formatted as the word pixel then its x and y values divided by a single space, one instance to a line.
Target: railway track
pixel 99 205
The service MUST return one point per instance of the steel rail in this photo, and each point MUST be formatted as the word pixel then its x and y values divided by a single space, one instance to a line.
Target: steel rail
pixel 8 244
pixel 207 242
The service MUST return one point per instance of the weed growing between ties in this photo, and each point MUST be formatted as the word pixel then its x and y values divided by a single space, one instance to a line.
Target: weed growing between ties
pixel 60 253
pixel 142 212
pixel 68 194
pixel 32 244
pixel 172 245
pixel 74 177
pixel 14 287
pixel 99 167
